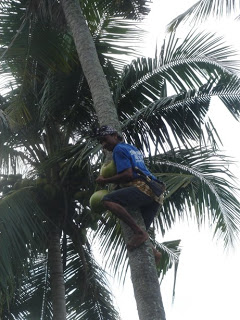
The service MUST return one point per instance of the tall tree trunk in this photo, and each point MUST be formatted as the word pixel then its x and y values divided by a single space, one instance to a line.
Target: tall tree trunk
pixel 92 69
pixel 56 276
pixel 144 276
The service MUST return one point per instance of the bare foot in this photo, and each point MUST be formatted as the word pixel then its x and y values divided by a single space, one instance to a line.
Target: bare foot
pixel 136 240
pixel 157 256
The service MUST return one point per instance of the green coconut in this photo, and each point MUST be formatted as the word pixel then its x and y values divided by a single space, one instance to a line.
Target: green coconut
pixel 95 200
pixel 108 169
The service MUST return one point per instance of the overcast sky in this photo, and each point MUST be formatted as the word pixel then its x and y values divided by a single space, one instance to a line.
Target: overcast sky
pixel 208 278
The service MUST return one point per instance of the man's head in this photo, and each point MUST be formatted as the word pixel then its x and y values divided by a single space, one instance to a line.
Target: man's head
pixel 108 137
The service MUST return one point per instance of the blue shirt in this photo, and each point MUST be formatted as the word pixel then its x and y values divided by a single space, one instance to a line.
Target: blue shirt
pixel 126 156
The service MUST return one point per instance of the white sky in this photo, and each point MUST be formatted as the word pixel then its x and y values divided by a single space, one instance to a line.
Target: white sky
pixel 208 280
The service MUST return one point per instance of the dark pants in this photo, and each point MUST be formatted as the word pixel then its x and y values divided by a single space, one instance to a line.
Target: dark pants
pixel 132 197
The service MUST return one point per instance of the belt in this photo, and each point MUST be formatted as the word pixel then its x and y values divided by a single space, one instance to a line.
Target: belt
pixel 145 188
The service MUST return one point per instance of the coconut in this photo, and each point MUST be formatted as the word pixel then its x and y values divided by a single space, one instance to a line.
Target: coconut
pixel 95 200
pixel 108 169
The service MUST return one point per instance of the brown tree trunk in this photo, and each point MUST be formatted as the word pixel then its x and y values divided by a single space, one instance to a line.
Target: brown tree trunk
pixel 144 276
pixel 92 69
pixel 56 276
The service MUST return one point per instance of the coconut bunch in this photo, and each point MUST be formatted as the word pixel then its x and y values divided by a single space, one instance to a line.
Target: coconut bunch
pixel 107 170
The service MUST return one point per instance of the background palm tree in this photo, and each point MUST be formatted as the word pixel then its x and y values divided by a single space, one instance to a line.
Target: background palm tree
pixel 52 137
pixel 55 206
pixel 49 113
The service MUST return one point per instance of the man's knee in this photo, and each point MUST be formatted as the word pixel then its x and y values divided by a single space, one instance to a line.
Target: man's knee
pixel 112 206
pixel 108 204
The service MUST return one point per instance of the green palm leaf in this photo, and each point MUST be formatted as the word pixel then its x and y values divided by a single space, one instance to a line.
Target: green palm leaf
pixel 109 41
pixel 134 10
pixel 88 295
pixel 228 91
pixel 27 302
pixel 182 116
pixel 21 227
pixel 197 59
pixel 202 10
pixel 148 113
pixel 170 251
pixel 194 189
pixel 112 246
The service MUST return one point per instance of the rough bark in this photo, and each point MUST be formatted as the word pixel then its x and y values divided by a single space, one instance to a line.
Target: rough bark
pixel 92 69
pixel 144 276
pixel 56 276
pixel 142 265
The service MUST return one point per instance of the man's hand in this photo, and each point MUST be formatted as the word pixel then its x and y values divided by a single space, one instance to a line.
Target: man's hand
pixel 100 180
pixel 123 177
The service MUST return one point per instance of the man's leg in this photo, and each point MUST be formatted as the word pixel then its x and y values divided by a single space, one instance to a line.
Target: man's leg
pixel 139 236
pixel 148 214
pixel 157 255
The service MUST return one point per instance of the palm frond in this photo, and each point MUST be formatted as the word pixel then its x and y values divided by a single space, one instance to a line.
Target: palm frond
pixel 112 246
pixel 3 119
pixel 47 12
pixel 170 251
pixel 134 10
pixel 36 47
pixel 186 70
pixel 110 29
pixel 21 227
pixel 30 298
pixel 237 18
pixel 228 91
pixel 181 117
pixel 178 118
pixel 202 10
pixel 200 187
pixel 94 300
pixel 169 120
pixel 199 57
pixel 109 41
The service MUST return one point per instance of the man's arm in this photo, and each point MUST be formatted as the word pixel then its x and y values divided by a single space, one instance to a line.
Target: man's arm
pixel 122 177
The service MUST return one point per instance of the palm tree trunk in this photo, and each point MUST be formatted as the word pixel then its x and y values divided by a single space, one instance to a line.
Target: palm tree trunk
pixel 144 276
pixel 92 69
pixel 56 276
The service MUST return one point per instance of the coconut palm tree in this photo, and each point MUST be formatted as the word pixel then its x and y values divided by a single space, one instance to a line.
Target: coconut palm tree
pixel 32 134
pixel 106 113
pixel 194 72
pixel 41 221
pixel 48 127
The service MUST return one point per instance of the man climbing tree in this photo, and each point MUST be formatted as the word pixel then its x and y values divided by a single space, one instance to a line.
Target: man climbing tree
pixel 137 187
